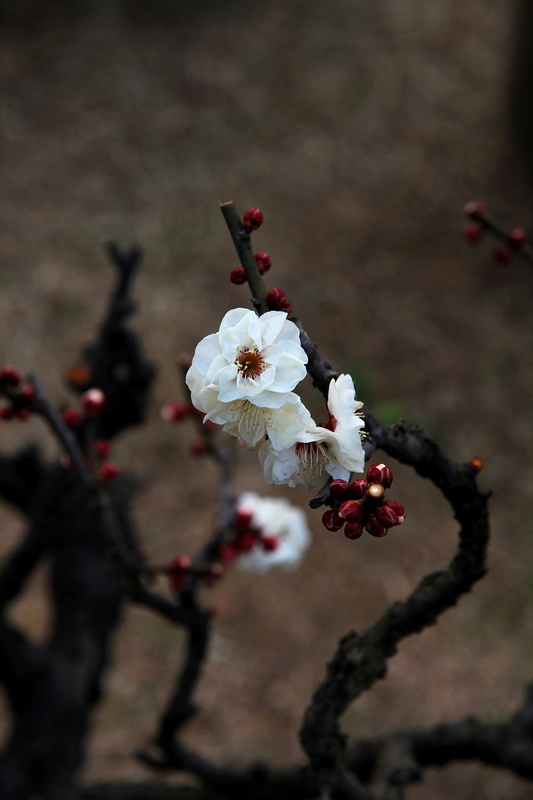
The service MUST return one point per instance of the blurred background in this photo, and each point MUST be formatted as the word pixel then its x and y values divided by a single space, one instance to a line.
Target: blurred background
pixel 360 129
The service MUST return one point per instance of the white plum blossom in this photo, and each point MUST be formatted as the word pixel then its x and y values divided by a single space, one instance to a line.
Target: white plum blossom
pixel 318 451
pixel 242 377
pixel 274 517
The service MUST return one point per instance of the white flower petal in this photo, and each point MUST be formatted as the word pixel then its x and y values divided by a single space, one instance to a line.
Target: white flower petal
pixel 271 324
pixel 206 351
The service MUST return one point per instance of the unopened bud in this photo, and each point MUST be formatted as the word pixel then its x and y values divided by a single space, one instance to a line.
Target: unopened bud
pixel 72 418
pixel 339 489
pixel 198 448
pixel 9 376
pixel 517 238
pixel 277 300
pixel 108 472
pixel 270 543
pixel 23 414
pixel 399 510
pixel 501 256
pixel 28 394
pixel 7 412
pixel 237 276
pixel 352 511
pixel 353 530
pixel 375 491
pixel 358 489
pixel 252 219
pixel 263 262
pixel 386 516
pixel 175 412
pixel 227 553
pixel 474 208
pixel 179 572
pixel 380 474
pixel 332 521
pixel 374 528
pixel 243 519
pixel 473 234
pixel 93 402
pixel 246 542
pixel 102 448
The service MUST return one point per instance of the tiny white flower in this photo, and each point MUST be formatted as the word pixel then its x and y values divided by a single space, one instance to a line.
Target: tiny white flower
pixel 277 518
pixel 317 451
pixel 242 377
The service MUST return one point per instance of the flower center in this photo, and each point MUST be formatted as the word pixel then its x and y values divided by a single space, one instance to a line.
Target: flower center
pixel 314 456
pixel 250 363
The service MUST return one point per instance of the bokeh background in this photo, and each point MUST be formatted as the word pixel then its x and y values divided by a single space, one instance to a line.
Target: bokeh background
pixel 360 129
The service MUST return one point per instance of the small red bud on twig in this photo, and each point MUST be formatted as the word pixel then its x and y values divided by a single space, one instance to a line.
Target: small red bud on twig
pixel 7 412
pixel 358 489
pixel 9 376
pixel 93 403
pixel 263 262
pixel 227 553
pixel 353 530
pixel 72 418
pixel 374 528
pixel 102 448
pixel 277 300
pixel 27 395
pixel 473 233
pixel 352 511
pixel 380 473
pixel 517 238
pixel 245 542
pixel 332 521
pixel 237 276
pixel 198 448
pixel 339 489
pixel 108 472
pixel 175 412
pixel 386 516
pixel 242 519
pixel 269 543
pixel 501 256
pixel 23 414
pixel 252 219
pixel 474 208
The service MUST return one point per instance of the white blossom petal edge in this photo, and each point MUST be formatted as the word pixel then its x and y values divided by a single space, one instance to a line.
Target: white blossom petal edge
pixel 252 358
pixel 275 517
pixel 316 451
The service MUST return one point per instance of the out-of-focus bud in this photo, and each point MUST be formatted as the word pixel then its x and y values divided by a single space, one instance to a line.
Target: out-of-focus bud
pixel 277 300
pixel 175 412
pixel 215 574
pixel 353 530
pixel 227 553
pixel 252 219
pixel 339 489
pixel 93 403
pixel 72 418
pixel 198 448
pixel 243 519
pixel 374 528
pixel 332 521
pixel 501 256
pixel 28 394
pixel 386 515
pixel 269 543
pixel 9 376
pixel 7 412
pixel 473 233
pixel 473 208
pixel 23 414
pixel 237 276
pixel 245 542
pixel 517 238
pixel 263 262
pixel 108 472
pixel 352 511
pixel 358 489
pixel 102 448
pixel 380 473
pixel 179 572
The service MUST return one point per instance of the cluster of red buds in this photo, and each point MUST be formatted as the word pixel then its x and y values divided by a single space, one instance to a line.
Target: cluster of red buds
pixel 245 538
pixel 277 300
pixel 361 505
pixel 513 242
pixel 263 261
pixel 181 569
pixel 20 398
pixel 177 412
pixel 92 406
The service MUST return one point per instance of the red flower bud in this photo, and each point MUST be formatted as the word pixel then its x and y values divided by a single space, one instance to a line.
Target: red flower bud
pixel 7 412
pixel 102 448
pixel 386 516
pixel 380 474
pixel 352 511
pixel 179 572
pixel 23 414
pixel 252 219
pixel 227 553
pixel 198 448
pixel 245 542
pixel 277 300
pixel 358 489
pixel 108 472
pixel 270 543
pixel 399 510
pixel 501 256
pixel 9 376
pixel 243 519
pixel 181 564
pixel 263 262
pixel 93 403
pixel 72 418
pixel 339 489
pixel 28 394
pixel 517 238
pixel 237 276
pixel 332 521
pixel 353 530
pixel 471 209
pixel 175 412
pixel 374 528
pixel 473 233
pixel 216 573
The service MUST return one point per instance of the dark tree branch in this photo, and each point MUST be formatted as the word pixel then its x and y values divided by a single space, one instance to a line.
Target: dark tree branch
pixel 243 246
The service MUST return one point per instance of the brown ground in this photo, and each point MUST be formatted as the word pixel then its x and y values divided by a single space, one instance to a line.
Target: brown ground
pixel 360 129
